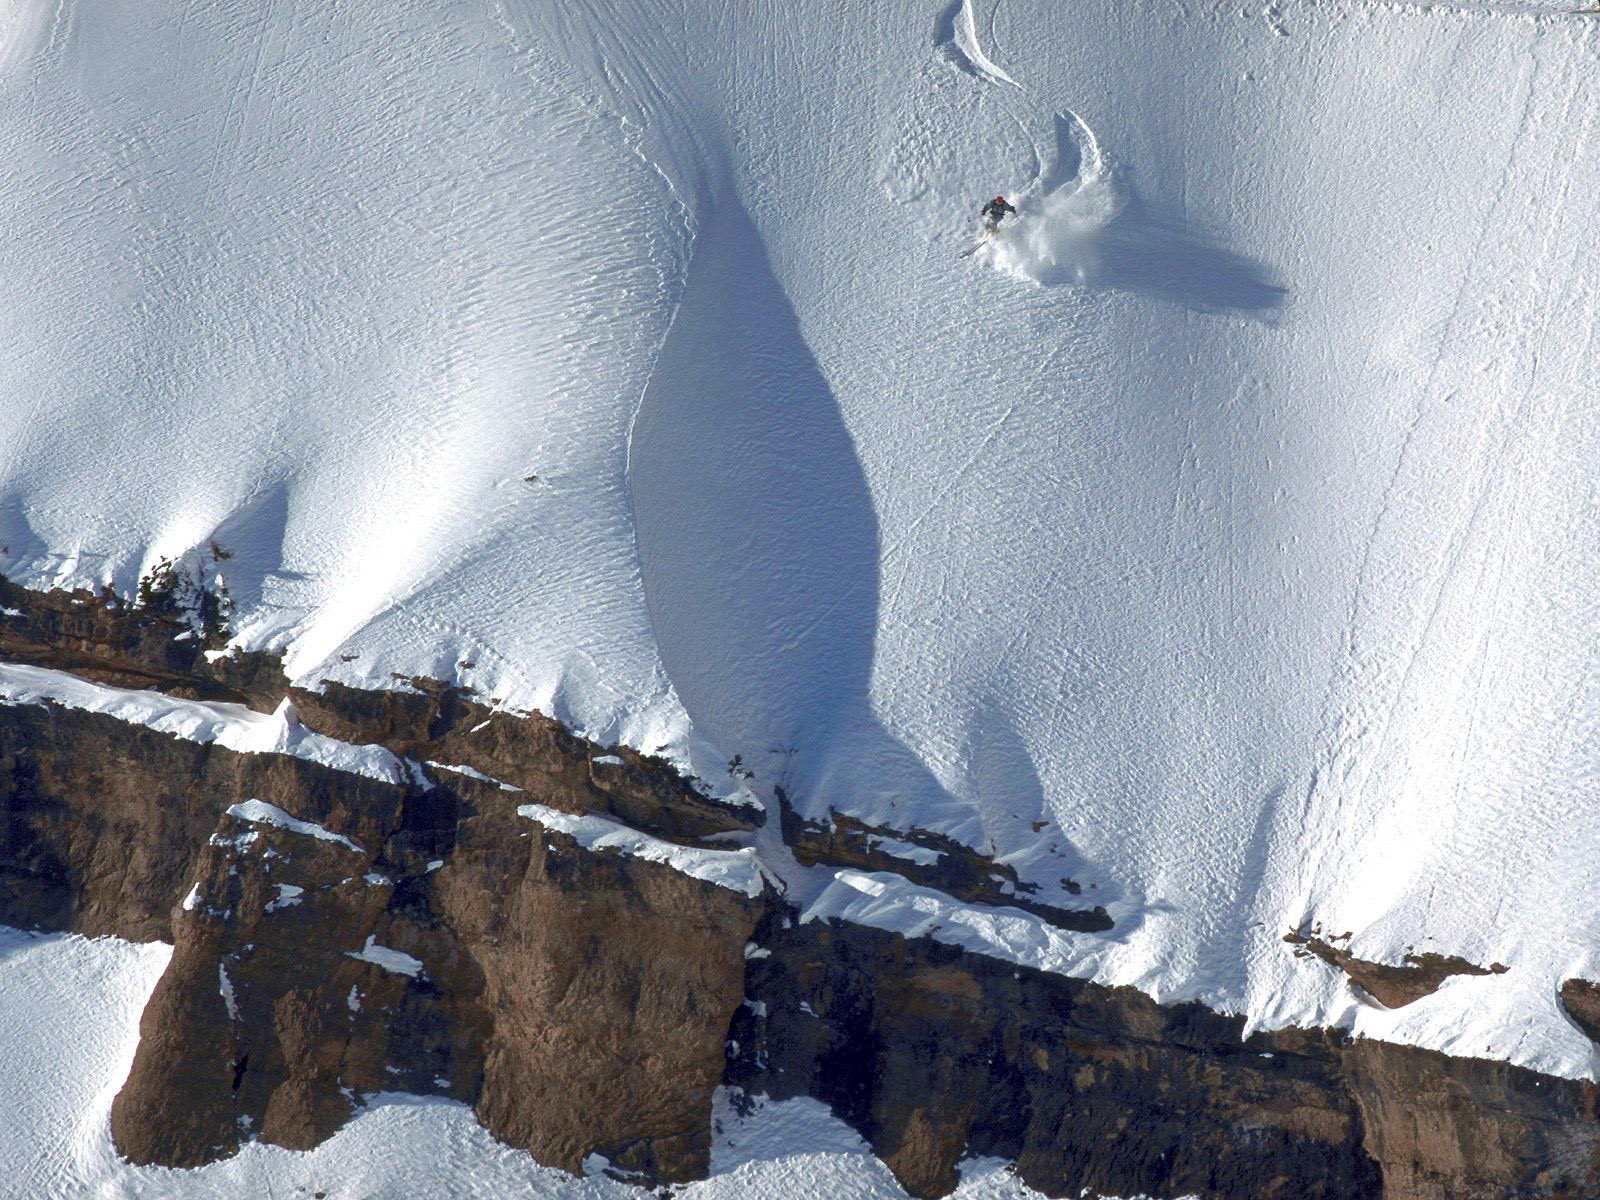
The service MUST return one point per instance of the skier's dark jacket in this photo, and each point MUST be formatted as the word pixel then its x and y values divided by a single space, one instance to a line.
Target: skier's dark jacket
pixel 997 208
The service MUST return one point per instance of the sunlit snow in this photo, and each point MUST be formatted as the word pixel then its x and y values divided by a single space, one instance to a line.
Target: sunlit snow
pixel 390 959
pixel 230 725
pixel 1222 537
pixel 261 813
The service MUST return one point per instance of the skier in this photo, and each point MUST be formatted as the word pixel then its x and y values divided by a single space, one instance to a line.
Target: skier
pixel 994 212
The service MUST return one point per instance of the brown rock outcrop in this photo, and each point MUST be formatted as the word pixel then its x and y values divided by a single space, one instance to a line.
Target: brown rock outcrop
pixel 1580 1000
pixel 1473 1129
pixel 292 968
pixel 933 1055
pixel 99 636
pixel 1392 986
pixel 429 720
pixel 580 1001
pixel 102 823
pixel 609 987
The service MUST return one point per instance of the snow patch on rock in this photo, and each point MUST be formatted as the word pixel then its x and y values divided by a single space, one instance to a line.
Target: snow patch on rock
pixel 473 773
pixel 260 812
pixel 225 986
pixel 738 870
pixel 396 961
pixel 886 901
pixel 230 725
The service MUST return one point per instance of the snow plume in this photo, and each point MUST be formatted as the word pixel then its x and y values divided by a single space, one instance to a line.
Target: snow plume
pixel 1055 238
pixel 1081 224
pixel 1095 232
pixel 1062 216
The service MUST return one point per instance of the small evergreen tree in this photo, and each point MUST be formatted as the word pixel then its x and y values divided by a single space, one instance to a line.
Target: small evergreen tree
pixel 191 593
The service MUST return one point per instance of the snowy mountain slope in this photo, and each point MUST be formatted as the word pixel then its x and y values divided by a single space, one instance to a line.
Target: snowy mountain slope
pixel 327 286
pixel 1232 513
pixel 1155 556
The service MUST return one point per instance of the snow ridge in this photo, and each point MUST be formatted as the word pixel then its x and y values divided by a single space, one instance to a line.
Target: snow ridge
pixel 955 36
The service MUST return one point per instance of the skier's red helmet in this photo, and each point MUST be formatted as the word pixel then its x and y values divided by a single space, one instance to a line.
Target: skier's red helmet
pixel 999 199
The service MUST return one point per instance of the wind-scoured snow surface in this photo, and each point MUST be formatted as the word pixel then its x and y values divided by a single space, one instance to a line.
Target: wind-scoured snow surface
pixel 1231 514
pixel 72 1023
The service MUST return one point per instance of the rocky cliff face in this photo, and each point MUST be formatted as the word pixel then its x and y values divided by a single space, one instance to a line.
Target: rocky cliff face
pixel 935 1055
pixel 105 822
pixel 548 986
pixel 337 934
pixel 100 636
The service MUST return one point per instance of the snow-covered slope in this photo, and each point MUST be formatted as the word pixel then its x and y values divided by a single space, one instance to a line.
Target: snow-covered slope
pixel 1232 514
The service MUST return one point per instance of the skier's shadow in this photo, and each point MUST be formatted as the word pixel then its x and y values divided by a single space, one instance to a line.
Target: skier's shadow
pixel 1144 252
pixel 758 541
pixel 20 547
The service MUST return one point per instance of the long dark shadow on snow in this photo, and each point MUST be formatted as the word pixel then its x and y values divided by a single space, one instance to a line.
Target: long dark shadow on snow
pixel 1140 251
pixel 758 541
pixel 1016 812
pixel 759 549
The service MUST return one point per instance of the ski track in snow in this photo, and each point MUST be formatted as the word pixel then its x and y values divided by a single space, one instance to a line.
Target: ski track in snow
pixel 955 35
pixel 622 350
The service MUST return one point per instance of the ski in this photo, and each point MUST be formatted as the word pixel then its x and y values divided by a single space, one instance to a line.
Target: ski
pixel 994 214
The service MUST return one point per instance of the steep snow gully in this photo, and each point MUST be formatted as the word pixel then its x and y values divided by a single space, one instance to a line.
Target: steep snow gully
pixel 1220 536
